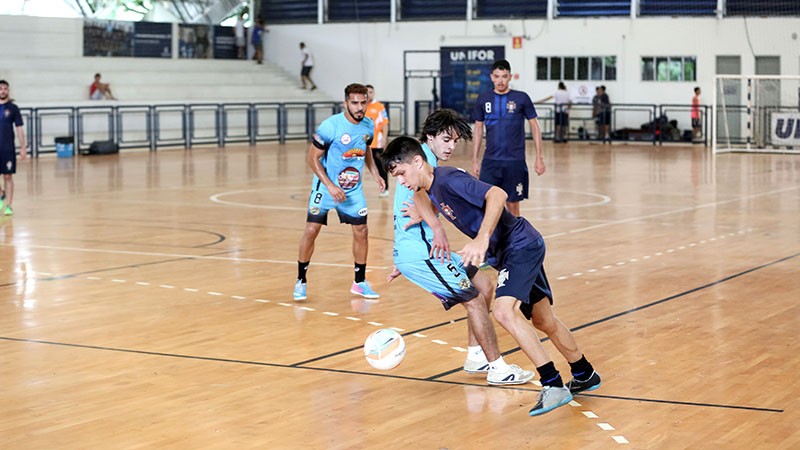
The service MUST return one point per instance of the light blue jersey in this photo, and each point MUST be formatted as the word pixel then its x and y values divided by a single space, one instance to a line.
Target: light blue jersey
pixel 345 144
pixel 415 243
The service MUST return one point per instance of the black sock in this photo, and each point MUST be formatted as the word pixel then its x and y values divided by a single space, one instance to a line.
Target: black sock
pixel 549 376
pixel 581 369
pixel 302 268
pixel 361 272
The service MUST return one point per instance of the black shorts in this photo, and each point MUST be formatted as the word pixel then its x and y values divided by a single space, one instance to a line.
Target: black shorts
pixel 524 277
pixel 697 123
pixel 306 71
pixel 511 176
pixel 8 160
pixel 562 119
pixel 604 118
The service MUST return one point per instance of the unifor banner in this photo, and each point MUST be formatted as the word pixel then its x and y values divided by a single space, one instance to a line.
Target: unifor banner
pixel 466 73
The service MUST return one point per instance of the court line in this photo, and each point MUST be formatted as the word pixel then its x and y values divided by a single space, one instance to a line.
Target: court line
pixel 370 374
pixel 178 255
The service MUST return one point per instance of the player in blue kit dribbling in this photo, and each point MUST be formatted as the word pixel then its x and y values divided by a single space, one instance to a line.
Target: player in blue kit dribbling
pixel 504 112
pixel 512 246
pixel 337 156
pixel 417 245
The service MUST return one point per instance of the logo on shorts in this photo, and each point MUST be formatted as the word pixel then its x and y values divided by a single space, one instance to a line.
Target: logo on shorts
pixel 448 211
pixel 349 177
pixel 314 210
pixel 519 188
pixel 511 106
pixel 9 165
pixel 502 277
pixel 346 139
pixel 362 212
pixel 464 283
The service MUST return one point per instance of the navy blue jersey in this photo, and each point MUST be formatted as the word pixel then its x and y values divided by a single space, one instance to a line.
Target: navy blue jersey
pixel 10 117
pixel 504 116
pixel 462 200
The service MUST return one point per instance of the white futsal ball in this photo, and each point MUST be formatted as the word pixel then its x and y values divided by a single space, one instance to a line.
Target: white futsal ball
pixel 385 349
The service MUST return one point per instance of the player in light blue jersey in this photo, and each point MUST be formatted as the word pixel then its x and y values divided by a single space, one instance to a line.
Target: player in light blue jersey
pixel 415 243
pixel 337 156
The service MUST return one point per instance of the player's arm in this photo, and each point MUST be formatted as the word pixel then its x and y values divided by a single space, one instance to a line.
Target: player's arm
pixel 314 155
pixel 373 169
pixel 441 246
pixel 536 132
pixel 477 141
pixel 475 251
pixel 23 144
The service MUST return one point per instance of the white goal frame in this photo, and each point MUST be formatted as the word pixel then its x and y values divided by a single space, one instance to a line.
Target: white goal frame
pixel 723 144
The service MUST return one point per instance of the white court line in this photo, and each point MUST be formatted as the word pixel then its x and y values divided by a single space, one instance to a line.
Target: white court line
pixel 590 414
pixel 179 255
pixel 605 426
pixel 620 439
pixel 439 341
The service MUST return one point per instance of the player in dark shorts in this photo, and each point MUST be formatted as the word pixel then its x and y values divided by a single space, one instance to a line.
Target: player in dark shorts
pixel 512 246
pixel 10 118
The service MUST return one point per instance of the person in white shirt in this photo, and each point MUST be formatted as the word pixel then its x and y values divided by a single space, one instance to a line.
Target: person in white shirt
pixel 241 42
pixel 562 102
pixel 307 65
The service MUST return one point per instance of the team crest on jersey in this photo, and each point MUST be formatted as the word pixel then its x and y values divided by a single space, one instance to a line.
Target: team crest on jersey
pixel 365 137
pixel 356 153
pixel 7 113
pixel 346 139
pixel 511 106
pixel 448 211
pixel 349 177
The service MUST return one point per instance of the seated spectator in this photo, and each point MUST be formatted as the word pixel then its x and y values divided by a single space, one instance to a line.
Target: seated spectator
pixel 99 91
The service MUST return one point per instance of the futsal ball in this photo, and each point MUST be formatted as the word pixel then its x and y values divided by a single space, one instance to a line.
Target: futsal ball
pixel 384 349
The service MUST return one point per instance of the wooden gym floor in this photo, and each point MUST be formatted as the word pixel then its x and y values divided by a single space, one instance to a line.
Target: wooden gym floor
pixel 145 303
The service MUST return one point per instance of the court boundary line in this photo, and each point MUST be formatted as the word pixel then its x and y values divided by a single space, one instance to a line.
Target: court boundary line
pixel 370 374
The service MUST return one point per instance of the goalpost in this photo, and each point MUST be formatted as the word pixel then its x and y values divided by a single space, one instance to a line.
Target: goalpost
pixel 756 113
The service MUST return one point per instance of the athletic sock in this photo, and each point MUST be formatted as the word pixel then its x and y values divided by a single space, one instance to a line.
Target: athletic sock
pixel 549 376
pixel 500 365
pixel 361 272
pixel 302 268
pixel 475 353
pixel 581 369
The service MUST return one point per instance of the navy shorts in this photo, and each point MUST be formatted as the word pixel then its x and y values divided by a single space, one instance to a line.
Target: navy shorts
pixel 562 119
pixel 511 176
pixel 306 71
pixel 8 160
pixel 604 118
pixel 521 275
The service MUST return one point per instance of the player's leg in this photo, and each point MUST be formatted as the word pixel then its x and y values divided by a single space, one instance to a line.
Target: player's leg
pixel 584 377
pixel 353 211
pixel 515 180
pixel 8 189
pixel 319 203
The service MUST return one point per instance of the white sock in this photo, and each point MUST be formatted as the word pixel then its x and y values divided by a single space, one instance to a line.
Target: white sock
pixel 500 365
pixel 475 353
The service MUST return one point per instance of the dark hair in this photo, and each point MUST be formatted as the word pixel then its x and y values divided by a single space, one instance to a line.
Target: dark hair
pixel 354 88
pixel 562 86
pixel 96 75
pixel 603 87
pixel 302 44
pixel 445 120
pixel 4 82
pixel 401 150
pixel 501 64
pixel 369 86
pixel 697 88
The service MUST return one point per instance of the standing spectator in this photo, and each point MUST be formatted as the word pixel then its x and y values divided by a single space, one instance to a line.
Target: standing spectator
pixel 99 91
pixel 601 110
pixel 505 111
pixel 241 41
pixel 306 66
pixel 562 102
pixel 258 41
pixel 10 117
pixel 697 124
pixel 377 112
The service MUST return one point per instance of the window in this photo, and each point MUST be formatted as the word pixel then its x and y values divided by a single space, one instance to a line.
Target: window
pixel 581 68
pixel 669 68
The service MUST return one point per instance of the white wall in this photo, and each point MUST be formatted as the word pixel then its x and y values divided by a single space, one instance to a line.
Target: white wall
pixel 373 52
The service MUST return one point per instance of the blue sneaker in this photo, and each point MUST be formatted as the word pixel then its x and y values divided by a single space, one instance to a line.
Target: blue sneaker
pixel 363 289
pixel 299 291
pixel 551 398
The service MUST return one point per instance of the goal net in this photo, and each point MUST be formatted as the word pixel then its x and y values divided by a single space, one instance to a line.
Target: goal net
pixel 756 113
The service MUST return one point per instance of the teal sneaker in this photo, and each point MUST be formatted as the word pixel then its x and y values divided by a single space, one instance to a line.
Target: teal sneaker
pixel 363 289
pixel 299 291
pixel 551 398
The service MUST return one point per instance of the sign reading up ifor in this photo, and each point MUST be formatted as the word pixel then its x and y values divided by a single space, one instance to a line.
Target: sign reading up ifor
pixel 466 73
pixel 785 129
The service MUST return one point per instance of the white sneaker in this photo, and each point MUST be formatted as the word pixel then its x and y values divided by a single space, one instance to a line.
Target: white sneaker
pixel 384 193
pixel 514 375
pixel 476 366
pixel 551 398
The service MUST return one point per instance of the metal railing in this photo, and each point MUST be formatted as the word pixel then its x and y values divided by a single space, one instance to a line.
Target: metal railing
pixel 187 125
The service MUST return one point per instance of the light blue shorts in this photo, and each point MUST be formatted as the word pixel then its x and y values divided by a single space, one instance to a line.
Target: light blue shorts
pixel 448 281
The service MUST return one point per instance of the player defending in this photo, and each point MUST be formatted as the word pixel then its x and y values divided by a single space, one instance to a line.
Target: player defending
pixel 10 118
pixel 504 112
pixel 336 155
pixel 514 248
pixel 449 281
